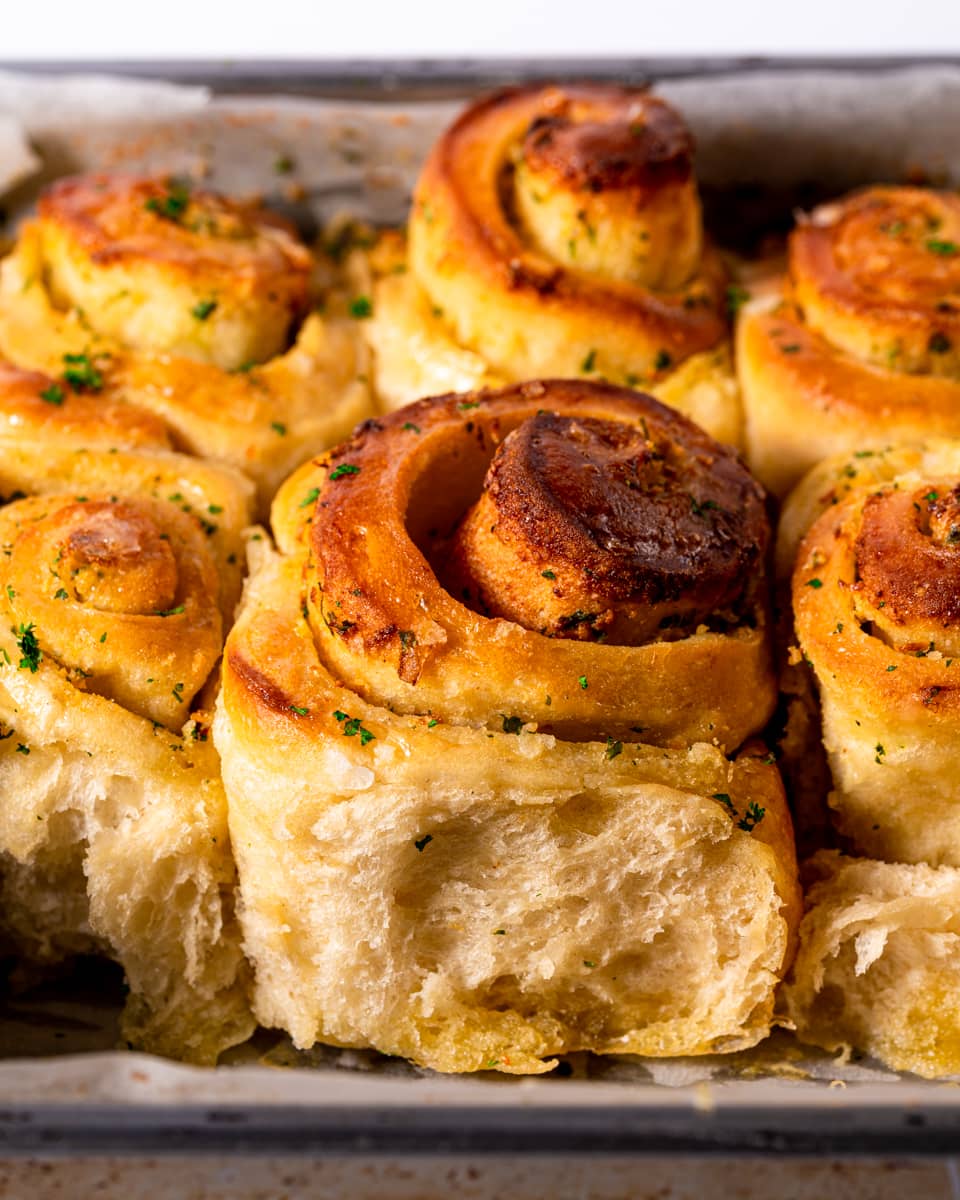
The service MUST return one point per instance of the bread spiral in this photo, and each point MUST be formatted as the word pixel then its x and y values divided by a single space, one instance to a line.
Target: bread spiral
pixel 557 231
pixel 865 348
pixel 875 594
pixel 452 844
pixel 191 306
pixel 120 569
pixel 878 964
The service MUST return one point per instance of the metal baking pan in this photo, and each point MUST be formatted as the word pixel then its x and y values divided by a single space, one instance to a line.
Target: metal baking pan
pixel 771 133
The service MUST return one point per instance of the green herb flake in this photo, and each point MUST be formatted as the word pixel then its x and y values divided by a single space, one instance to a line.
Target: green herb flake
pixel 944 248
pixel 361 307
pixel 549 574
pixel 725 801
pixel 410 427
pixel 309 498
pixel 61 594
pixel 892 667
pixel 54 394
pixel 512 724
pixel 81 373
pixel 301 712
pixel 755 814
pixel 204 308
pixel 353 726
pixel 177 692
pixel 172 205
pixel 169 612
pixel 815 583
pixel 422 843
pixel 589 363
pixel 22 749
pixel 880 752
pixel 736 298
pixel 663 360
pixel 432 722
pixel 466 405
pixel 283 164
pixel 279 428
pixel 29 647
pixel 583 682
pixel 344 469
pixel 614 748
pixel 588 964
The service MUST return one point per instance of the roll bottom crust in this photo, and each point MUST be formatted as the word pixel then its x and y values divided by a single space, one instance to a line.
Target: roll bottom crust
pixel 878 965
pixel 476 900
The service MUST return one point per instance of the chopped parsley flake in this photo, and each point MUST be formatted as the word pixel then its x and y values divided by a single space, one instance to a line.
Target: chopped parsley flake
pixel 588 964
pixel 944 248
pixel 583 682
pixel 588 363
pixel 512 724
pixel 410 427
pixel 725 801
pixel 172 205
pixel 548 574
pixel 755 814
pixel 352 726
pixel 169 612
pixel 29 647
pixel 301 712
pixel 81 373
pixel 880 752
pixel 204 308
pixel 310 497
pixel 422 843
pixel 54 394
pixel 61 594
pixel 361 307
pixel 736 298
pixel 344 469
pixel 613 748
pixel 663 360
pixel 283 165
pixel 177 692
pixel 465 405
pixel 279 428
pixel 22 749
pixel 815 583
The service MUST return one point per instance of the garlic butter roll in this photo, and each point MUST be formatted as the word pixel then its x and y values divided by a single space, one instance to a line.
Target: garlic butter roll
pixel 875 593
pixel 455 841
pixel 118 578
pixel 192 306
pixel 864 348
pixel 878 965
pixel 556 231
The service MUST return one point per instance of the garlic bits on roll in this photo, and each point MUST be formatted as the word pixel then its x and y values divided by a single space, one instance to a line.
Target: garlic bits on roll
pixel 119 575
pixel 864 349
pixel 196 307
pixel 473 722
pixel 557 231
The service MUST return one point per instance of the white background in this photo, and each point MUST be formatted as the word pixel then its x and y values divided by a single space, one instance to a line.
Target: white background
pixel 214 29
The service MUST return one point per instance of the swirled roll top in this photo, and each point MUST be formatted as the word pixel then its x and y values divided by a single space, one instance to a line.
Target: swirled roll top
pixel 596 529
pixel 165 267
pixel 878 275
pixel 608 578
pixel 557 227
pixel 120 594
pixel 603 182
pixel 908 566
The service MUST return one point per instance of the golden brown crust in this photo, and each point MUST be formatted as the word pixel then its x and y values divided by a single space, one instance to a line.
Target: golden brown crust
pixel 377 513
pixel 567 257
pixel 595 529
pixel 864 348
pixel 160 324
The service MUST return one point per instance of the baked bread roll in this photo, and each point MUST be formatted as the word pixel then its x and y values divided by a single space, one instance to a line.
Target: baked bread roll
pixel 875 596
pixel 452 844
pixel 120 570
pixel 191 306
pixel 878 965
pixel 556 231
pixel 864 349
